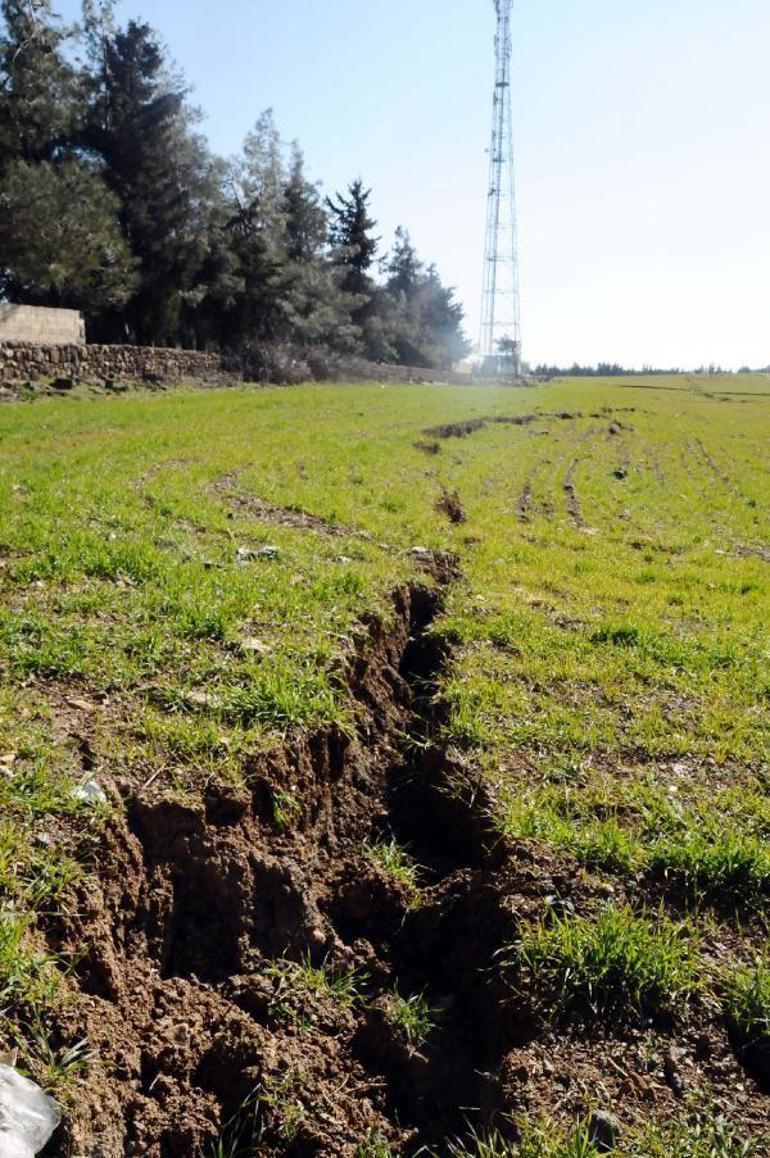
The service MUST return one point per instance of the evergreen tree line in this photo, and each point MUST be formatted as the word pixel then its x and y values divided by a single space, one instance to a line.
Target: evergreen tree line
pixel 615 370
pixel 112 203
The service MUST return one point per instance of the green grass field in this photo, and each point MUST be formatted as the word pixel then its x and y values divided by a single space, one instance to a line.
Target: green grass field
pixel 609 647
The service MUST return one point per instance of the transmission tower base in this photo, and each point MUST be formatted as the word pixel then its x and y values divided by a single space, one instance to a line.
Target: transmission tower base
pixel 503 367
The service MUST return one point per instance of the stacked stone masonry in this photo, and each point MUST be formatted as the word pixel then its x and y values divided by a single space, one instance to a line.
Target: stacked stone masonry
pixel 24 361
pixel 27 362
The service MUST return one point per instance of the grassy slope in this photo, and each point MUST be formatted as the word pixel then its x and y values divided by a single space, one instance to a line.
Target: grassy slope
pixel 610 632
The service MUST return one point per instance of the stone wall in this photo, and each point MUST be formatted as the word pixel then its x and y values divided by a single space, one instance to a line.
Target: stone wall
pixel 41 326
pixel 25 362
pixel 29 362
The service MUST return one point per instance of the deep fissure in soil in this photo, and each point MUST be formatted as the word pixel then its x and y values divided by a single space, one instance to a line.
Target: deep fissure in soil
pixel 277 987
pixel 207 915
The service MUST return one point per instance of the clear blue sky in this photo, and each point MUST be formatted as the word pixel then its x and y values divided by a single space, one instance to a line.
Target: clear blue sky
pixel 642 139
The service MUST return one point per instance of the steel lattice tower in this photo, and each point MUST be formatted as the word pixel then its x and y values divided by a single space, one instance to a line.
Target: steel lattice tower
pixel 500 323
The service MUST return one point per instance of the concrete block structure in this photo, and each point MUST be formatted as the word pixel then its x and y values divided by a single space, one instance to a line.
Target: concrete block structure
pixel 41 327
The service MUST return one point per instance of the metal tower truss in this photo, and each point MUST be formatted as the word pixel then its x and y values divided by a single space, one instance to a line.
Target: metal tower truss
pixel 500 322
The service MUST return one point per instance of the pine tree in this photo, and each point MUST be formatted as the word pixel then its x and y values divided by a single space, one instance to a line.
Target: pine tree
pixel 354 246
pixel 307 223
pixel 60 244
pixel 161 173
pixel 59 238
pixel 441 321
pixel 403 267
pixel 318 309
pixel 425 322
pixel 258 236
pixel 38 91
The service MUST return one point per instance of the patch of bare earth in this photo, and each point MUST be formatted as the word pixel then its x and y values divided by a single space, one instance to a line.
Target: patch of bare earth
pixel 179 946
pixel 278 515
pixel 753 551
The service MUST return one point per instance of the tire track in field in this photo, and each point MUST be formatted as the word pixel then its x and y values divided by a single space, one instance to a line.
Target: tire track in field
pixel 653 465
pixel 525 495
pixel 693 468
pixel 569 486
pixel 573 502
pixel 734 490
pixel 713 467
pixel 702 470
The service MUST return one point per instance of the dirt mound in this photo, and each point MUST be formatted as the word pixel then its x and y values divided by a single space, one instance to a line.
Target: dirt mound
pixel 450 504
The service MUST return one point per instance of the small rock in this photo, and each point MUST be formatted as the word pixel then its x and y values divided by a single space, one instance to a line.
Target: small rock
pixel 90 792
pixel 247 555
pixel 603 1131
pixel 82 705
pixel 199 699
pixel 255 645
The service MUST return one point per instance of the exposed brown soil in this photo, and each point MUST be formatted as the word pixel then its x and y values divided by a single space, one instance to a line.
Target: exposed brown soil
pixel 278 515
pixel 753 551
pixel 471 425
pixel 524 504
pixel 524 499
pixel 450 504
pixel 182 945
pixel 431 448
pixel 573 502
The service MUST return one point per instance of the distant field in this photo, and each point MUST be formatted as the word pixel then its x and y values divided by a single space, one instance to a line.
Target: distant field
pixel 184 581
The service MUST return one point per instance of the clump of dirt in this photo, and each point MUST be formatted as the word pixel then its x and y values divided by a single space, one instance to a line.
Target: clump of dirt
pixel 431 448
pixel 450 504
pixel 525 498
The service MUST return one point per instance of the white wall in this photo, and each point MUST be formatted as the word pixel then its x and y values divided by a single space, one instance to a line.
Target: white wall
pixel 41 326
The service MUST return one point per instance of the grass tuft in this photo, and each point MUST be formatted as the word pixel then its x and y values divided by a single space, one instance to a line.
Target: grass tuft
pixel 725 865
pixel 318 981
pixel 537 1139
pixel 618 962
pixel 747 1004
pixel 412 1016
pixel 395 860
pixel 27 977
